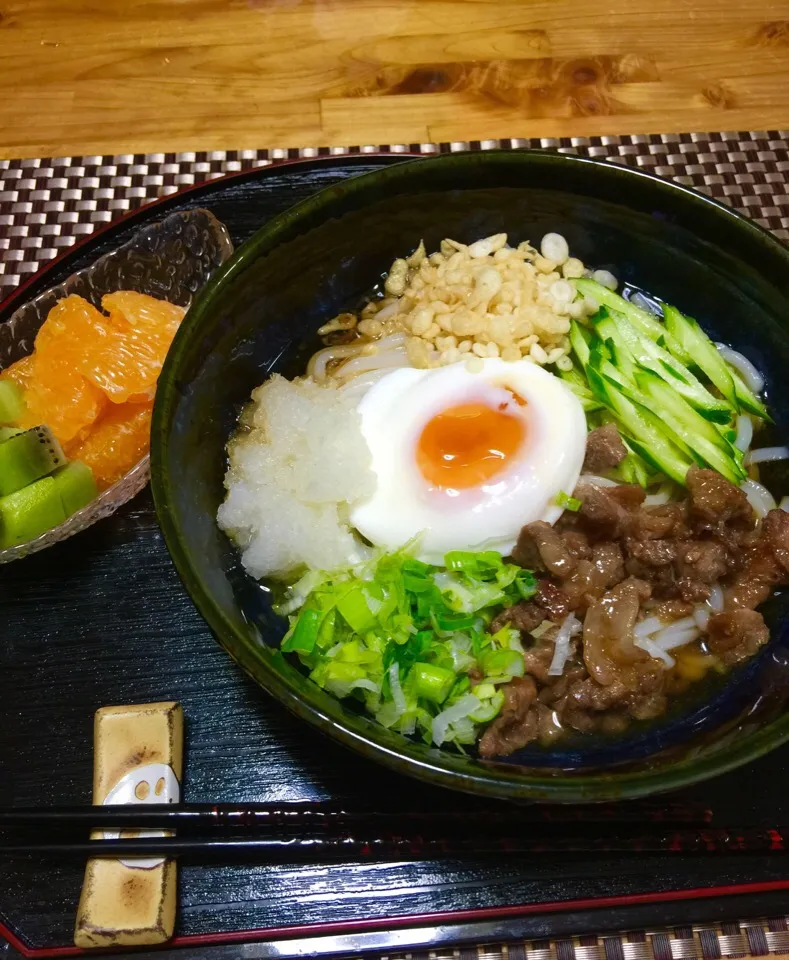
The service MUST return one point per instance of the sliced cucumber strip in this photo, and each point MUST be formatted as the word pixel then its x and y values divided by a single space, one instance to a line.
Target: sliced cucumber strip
pixel 606 381
pixel 681 424
pixel 590 405
pixel 648 437
pixel 659 396
pixel 621 354
pixel 575 382
pixel 645 322
pixel 681 419
pixel 579 343
pixel 651 356
pixel 649 455
pixel 637 467
pixel 710 362
pixel 627 471
pixel 696 342
pixel 668 418
pixel 747 400
pixel 600 368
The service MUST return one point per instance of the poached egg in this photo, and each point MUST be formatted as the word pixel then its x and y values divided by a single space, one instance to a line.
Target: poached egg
pixel 466 454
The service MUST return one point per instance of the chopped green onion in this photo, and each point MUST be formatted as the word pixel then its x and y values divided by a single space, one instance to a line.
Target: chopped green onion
pixel 479 566
pixel 498 663
pixel 402 636
pixel 445 622
pixel 341 678
pixel 567 502
pixel 326 631
pixel 432 683
pixel 488 708
pixel 526 584
pixel 356 610
pixel 462 685
pixel 417 584
pixel 301 639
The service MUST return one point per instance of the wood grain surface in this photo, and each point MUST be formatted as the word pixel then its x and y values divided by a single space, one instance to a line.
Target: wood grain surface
pixel 110 76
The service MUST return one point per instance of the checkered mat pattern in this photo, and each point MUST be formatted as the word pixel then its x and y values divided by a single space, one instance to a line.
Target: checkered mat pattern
pixel 711 942
pixel 46 205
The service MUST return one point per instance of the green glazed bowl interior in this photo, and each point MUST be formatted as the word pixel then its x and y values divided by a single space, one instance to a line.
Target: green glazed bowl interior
pixel 259 314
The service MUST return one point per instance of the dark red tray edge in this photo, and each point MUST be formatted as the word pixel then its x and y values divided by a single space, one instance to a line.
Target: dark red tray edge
pixel 425 919
pixel 343 926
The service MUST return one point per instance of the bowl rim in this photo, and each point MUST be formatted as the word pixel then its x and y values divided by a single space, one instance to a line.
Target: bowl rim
pixel 492 780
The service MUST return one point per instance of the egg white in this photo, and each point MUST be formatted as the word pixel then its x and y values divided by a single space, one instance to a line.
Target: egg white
pixel 404 505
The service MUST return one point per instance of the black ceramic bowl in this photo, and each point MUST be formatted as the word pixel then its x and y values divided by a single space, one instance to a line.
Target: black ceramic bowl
pixel 260 313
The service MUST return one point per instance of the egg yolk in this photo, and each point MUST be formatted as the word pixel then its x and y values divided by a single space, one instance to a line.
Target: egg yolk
pixel 468 445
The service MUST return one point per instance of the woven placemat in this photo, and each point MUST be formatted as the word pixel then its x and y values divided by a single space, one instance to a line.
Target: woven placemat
pixel 709 942
pixel 46 205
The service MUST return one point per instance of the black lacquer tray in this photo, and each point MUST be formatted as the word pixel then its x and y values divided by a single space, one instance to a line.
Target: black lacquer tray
pixel 103 619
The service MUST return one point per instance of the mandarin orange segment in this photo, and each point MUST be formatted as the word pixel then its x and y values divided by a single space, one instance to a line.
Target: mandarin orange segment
pixel 125 361
pixel 117 442
pixel 144 313
pixel 83 360
pixel 71 326
pixel 60 397
pixel 20 372
pixel 123 365
pixel 61 394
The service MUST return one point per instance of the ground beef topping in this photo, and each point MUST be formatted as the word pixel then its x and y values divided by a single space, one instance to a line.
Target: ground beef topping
pixel 617 563
pixel 604 449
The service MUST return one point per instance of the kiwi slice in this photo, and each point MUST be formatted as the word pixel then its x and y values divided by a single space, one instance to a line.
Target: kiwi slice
pixel 27 457
pixel 12 402
pixel 7 432
pixel 29 512
pixel 76 485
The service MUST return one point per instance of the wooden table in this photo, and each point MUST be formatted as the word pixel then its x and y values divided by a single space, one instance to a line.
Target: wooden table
pixel 109 76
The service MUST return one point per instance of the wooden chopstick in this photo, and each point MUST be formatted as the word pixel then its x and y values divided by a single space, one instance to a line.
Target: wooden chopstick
pixel 356 847
pixel 299 815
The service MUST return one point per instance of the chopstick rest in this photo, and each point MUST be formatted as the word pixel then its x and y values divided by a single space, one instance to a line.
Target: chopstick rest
pixel 137 758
